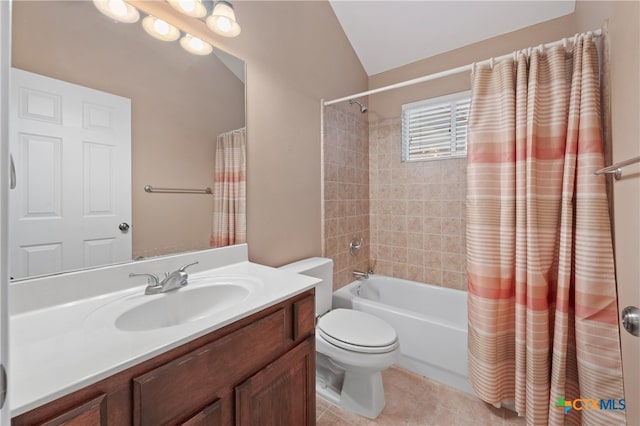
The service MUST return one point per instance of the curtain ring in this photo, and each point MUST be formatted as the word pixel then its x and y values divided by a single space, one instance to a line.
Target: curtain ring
pixel 473 68
pixel 541 48
pixel 491 63
pixel 564 43
pixel 575 39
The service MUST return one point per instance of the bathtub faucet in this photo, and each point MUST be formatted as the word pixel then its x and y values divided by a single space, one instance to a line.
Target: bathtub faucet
pixel 361 275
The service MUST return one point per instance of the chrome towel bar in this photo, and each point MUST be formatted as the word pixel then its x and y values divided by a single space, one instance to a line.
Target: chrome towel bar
pixel 149 188
pixel 616 169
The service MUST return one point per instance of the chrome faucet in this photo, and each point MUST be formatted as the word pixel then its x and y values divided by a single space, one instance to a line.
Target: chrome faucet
pixel 171 281
pixel 361 275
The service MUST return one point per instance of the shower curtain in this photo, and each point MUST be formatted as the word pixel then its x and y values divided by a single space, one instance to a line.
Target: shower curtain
pixel 543 327
pixel 229 190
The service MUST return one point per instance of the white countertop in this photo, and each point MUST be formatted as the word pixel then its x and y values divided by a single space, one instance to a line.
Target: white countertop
pixel 59 349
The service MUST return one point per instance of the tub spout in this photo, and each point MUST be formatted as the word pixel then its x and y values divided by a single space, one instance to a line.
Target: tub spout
pixel 361 275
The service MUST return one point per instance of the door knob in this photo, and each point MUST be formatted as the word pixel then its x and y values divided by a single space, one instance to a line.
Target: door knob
pixel 631 320
pixel 124 226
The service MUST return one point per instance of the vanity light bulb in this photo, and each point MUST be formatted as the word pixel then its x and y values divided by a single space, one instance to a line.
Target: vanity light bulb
pixel 162 30
pixel 187 5
pixel 117 10
pixel 224 24
pixel 117 7
pixel 161 27
pixel 223 20
pixel 195 45
pixel 194 8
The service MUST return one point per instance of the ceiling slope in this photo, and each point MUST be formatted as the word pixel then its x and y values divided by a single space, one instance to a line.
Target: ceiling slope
pixel 389 34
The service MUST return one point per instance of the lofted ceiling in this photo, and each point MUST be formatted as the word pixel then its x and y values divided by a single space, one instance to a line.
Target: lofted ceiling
pixel 389 34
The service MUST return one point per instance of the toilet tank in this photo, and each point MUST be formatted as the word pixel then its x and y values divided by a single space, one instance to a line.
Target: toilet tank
pixel 317 267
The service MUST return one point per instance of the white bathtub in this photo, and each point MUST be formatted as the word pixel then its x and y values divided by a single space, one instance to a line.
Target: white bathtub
pixel 431 323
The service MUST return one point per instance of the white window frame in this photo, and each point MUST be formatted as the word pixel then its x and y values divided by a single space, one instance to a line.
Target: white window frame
pixel 424 105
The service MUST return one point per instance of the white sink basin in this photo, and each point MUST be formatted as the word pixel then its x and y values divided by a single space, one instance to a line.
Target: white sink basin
pixel 201 298
pixel 180 306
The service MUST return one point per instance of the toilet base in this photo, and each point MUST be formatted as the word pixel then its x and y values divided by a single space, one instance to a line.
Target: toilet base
pixel 362 394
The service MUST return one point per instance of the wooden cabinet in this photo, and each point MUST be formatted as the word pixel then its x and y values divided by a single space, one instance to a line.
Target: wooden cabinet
pixel 280 394
pixel 211 415
pixel 259 370
pixel 91 413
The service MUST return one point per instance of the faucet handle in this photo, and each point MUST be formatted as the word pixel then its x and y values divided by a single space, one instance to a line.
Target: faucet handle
pixel 152 279
pixel 186 266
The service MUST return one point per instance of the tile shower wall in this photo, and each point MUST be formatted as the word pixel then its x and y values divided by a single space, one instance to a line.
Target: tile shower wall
pixel 346 190
pixel 416 212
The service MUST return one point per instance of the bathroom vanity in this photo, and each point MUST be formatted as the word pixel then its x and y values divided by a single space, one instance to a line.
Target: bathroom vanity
pixel 250 363
pixel 259 370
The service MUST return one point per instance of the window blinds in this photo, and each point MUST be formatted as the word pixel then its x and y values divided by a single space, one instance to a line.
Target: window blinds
pixel 435 128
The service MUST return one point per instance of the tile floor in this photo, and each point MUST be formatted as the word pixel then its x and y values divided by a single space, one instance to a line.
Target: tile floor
pixel 417 401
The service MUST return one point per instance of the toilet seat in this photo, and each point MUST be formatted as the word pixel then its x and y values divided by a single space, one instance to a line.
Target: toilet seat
pixel 357 331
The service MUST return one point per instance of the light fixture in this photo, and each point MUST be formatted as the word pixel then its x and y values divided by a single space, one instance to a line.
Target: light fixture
pixel 118 10
pixel 223 20
pixel 194 45
pixel 160 29
pixel 193 8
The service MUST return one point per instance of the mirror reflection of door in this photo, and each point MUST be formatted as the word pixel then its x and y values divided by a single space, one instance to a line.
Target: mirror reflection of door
pixel 71 147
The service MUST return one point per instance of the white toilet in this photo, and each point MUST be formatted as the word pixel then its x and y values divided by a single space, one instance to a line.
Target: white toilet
pixel 352 347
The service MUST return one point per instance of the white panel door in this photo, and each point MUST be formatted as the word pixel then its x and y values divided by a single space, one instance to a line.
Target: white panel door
pixel 72 151
pixel 5 61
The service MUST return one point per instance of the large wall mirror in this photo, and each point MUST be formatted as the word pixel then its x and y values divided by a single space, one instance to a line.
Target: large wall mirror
pixel 79 76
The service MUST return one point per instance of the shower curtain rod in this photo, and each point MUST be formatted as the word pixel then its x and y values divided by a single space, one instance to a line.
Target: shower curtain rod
pixel 452 71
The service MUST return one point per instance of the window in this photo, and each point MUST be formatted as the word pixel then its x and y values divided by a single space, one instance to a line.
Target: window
pixel 435 128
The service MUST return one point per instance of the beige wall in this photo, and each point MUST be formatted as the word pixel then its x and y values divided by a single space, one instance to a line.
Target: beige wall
pixel 180 103
pixel 296 54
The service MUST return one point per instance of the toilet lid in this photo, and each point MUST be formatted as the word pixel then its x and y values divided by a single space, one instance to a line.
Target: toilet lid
pixel 356 330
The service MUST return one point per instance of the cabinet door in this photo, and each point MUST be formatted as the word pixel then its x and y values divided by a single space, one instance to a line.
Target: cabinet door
pixel 173 392
pixel 5 63
pixel 91 413
pixel 281 394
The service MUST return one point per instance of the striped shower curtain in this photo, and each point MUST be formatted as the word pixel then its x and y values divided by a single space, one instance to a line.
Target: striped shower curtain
pixel 229 190
pixel 543 329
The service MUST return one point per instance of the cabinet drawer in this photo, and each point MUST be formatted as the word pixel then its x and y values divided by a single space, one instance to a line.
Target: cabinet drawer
pixel 181 388
pixel 91 413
